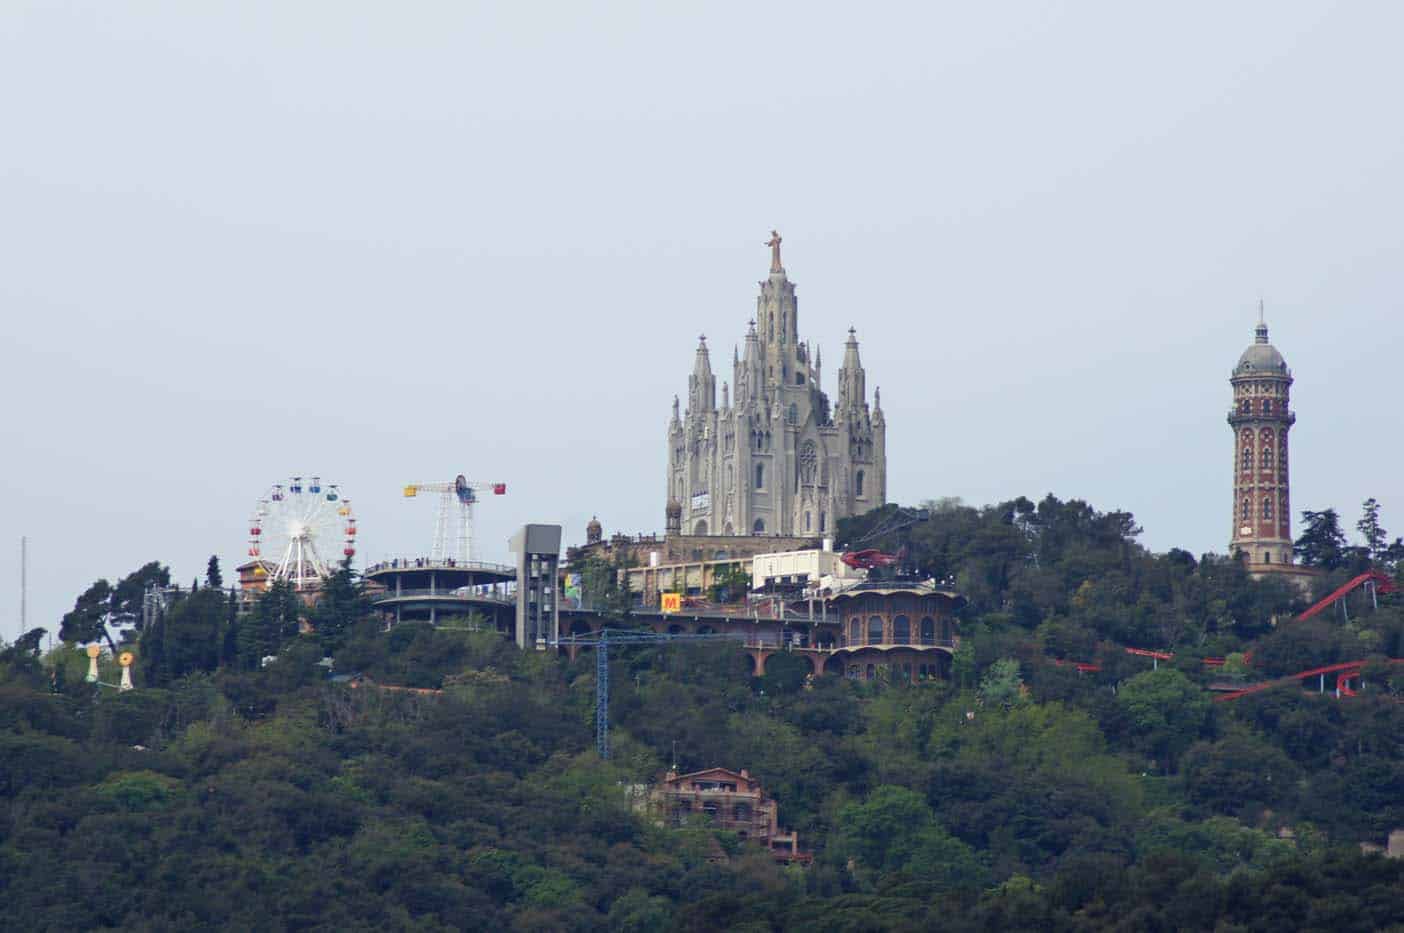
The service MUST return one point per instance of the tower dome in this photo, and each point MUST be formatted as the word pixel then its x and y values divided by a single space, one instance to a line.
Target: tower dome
pixel 594 532
pixel 1261 357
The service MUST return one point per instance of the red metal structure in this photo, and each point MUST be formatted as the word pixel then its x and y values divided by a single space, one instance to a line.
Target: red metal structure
pixel 867 560
pixel 1345 672
pixel 1380 582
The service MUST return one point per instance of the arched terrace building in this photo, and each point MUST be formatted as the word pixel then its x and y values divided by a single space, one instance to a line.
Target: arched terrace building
pixel 907 628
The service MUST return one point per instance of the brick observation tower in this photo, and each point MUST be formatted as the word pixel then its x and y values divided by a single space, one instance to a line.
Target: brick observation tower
pixel 1261 418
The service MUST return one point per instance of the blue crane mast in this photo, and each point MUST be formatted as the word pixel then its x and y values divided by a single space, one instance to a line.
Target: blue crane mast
pixel 601 642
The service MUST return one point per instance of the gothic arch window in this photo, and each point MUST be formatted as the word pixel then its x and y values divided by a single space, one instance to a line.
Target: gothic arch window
pixel 875 630
pixel 759 527
pixel 823 525
pixel 858 483
pixel 729 530
pixel 901 630
pixel 807 519
pixel 760 475
pixel 700 528
pixel 1267 507
pixel 808 465
pixel 928 631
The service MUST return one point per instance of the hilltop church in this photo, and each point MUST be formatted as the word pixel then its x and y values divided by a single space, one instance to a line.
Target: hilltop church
pixel 777 459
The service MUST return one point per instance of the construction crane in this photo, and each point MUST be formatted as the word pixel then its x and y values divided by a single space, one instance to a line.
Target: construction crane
pixel 455 521
pixel 601 641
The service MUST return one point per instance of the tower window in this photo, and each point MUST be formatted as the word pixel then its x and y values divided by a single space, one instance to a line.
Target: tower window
pixel 1267 458
pixel 858 483
pixel 806 521
pixel 1245 406
pixel 1267 507
pixel 759 527
pixel 760 475
pixel 822 523
pixel 799 379
pixel 1247 459
pixel 1245 511
pixel 1267 406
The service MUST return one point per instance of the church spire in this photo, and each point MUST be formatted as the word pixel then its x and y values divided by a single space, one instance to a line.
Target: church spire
pixel 853 390
pixel 702 385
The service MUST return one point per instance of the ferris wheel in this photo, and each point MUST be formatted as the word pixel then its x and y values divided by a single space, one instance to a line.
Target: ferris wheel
pixel 295 529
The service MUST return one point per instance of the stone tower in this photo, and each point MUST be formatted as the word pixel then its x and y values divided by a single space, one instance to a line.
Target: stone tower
pixel 775 459
pixel 1261 418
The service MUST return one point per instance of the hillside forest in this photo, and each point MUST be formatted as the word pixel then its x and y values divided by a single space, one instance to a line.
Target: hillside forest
pixel 249 782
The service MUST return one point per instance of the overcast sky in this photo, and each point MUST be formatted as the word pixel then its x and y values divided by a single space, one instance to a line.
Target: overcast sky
pixel 392 242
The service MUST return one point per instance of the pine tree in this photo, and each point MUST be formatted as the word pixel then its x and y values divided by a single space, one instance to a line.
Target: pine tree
pixel 1322 544
pixel 213 578
pixel 1376 538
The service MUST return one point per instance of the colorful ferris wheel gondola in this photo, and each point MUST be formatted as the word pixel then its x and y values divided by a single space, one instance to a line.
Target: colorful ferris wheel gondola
pixel 294 527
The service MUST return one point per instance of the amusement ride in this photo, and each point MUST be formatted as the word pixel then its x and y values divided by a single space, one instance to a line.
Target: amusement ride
pixel 295 529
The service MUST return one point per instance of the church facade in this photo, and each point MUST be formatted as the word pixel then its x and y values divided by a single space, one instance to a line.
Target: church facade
pixel 777 458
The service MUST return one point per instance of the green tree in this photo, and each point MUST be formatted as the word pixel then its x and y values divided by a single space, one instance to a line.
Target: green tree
pixel 213 578
pixel 894 830
pixel 1322 544
pixel 1003 684
pixel 1167 713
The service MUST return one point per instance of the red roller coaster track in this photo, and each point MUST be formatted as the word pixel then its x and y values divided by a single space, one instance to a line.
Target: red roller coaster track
pixel 1381 582
pixel 1345 672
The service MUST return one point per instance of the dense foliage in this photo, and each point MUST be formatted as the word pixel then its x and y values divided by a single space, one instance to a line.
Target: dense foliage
pixel 241 786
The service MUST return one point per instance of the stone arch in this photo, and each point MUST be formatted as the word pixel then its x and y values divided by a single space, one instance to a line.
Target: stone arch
pixel 701 527
pixel 580 627
pixel 728 529
pixel 825 639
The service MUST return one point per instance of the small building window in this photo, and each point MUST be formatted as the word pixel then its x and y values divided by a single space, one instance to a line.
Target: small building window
pixel 1267 507
pixel 875 633
pixel 858 483
pixel 928 631
pixel 822 524
pixel 901 631
pixel 806 521
pixel 760 475
pixel 855 632
pixel 1267 557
